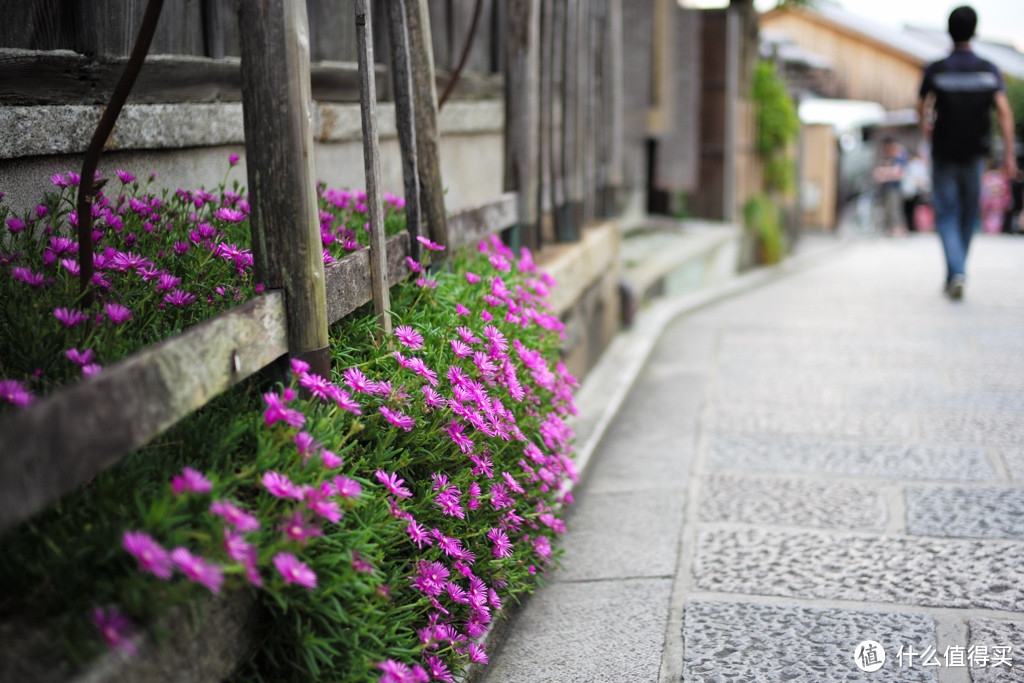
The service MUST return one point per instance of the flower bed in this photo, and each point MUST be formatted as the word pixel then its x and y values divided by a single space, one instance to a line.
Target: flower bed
pixel 382 515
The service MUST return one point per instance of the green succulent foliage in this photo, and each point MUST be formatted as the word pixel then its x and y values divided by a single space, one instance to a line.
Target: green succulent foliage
pixel 777 126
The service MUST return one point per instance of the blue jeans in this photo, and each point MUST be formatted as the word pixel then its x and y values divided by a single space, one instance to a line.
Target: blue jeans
pixel 956 192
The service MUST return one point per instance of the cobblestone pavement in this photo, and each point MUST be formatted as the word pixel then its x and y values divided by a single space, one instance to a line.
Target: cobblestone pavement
pixel 832 458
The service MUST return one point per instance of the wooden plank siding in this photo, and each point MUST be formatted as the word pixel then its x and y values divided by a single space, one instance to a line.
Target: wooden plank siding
pixel 65 439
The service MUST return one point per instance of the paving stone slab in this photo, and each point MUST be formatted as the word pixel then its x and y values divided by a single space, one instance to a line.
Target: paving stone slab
pixel 965 512
pixel 793 502
pixel 912 571
pixel 985 636
pixel 621 535
pixel 746 641
pixel 822 456
pixel 811 422
pixel 587 632
pixel 654 461
pixel 984 428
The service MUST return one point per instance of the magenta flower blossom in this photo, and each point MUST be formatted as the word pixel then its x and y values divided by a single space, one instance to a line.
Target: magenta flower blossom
pixel 343 399
pixel 297 529
pixel 398 419
pixel 361 565
pixel 14 392
pixel 294 571
pixel 277 410
pixel 330 459
pixel 90 369
pixel 395 672
pixel 116 630
pixel 198 570
pixel 234 515
pixel 229 215
pixel 347 488
pixel 179 297
pixel 326 509
pixel 393 484
pixel 433 246
pixel 472 278
pixel 192 481
pixel 414 266
pixel 15 224
pixel 71 265
pixel 461 310
pixel 79 357
pixel 477 653
pixel 150 555
pixel 306 444
pixel 316 385
pixel 236 547
pixel 502 546
pixel 117 313
pixel 70 316
pixel 167 282
pixel 233 159
pixel 409 337
pixel 484 315
pixel 460 348
pixel 467 335
pixel 455 433
pixel 280 486
pixel 357 381
pixel 23 274
pixel 418 534
pixel 125 176
pixel 428 284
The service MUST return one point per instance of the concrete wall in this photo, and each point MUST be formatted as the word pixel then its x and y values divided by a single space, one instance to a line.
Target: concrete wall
pixel 187 145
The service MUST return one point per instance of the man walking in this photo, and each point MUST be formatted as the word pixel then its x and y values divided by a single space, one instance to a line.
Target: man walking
pixel 959 92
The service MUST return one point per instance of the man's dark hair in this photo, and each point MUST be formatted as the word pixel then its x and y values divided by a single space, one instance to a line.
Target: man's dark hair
pixel 962 22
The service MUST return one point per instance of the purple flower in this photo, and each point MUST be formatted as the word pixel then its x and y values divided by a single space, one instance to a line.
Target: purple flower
pixel 179 297
pixel 347 488
pixel 434 246
pixel 460 348
pixel 472 278
pixel 296 528
pixel 69 316
pixel 461 310
pixel 326 509
pixel 409 337
pixel 357 381
pixel 294 571
pixel 90 369
pixel 477 653
pixel 502 546
pixel 281 486
pixel 414 266
pixel 14 392
pixel 151 556
pixel 116 629
pixel 117 313
pixel 15 224
pixel 167 281
pixel 125 176
pixel 277 410
pixel 192 481
pixel 233 159
pixel 236 547
pixel 79 357
pixel 198 570
pixel 234 515
pixel 393 484
pixel 229 215
pixel 398 419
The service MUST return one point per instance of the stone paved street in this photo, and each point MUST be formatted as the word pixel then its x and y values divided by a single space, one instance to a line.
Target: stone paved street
pixel 832 457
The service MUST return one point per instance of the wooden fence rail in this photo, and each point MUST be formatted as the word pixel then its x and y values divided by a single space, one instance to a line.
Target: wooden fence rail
pixel 65 439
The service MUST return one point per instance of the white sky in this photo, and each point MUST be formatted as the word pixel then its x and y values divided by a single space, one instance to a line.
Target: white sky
pixel 1001 20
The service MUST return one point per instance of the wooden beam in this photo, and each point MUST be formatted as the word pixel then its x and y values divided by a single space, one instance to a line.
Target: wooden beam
pixel 521 114
pixel 277 112
pixel 428 137
pixel 371 164
pixel 474 223
pixel 405 121
pixel 68 437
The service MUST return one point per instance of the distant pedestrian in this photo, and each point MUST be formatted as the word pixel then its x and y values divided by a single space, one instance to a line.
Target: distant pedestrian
pixel 960 92
pixel 915 187
pixel 889 174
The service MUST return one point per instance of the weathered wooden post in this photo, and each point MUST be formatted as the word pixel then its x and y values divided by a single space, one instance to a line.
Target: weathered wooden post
pixel 405 120
pixel 371 164
pixel 613 104
pixel 277 113
pixel 428 137
pixel 521 112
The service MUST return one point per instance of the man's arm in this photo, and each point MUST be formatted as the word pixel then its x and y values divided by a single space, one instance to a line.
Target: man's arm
pixel 924 116
pixel 1005 116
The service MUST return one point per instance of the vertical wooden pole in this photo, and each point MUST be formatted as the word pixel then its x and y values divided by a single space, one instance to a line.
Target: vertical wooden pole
pixel 521 110
pixel 615 98
pixel 582 78
pixel 277 114
pixel 428 137
pixel 401 83
pixel 570 130
pixel 557 67
pixel 544 206
pixel 371 163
